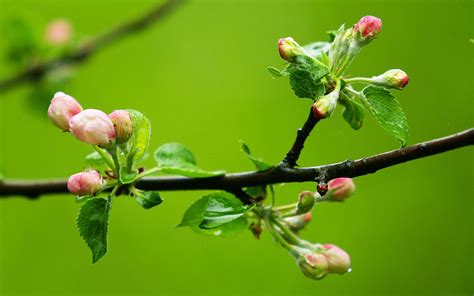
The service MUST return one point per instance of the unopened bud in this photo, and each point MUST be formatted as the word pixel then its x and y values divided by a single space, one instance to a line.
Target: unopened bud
pixel 394 78
pixel 122 124
pixel 324 106
pixel 306 202
pixel 340 189
pixel 289 49
pixel 58 32
pixel 85 183
pixel 61 109
pixel 296 223
pixel 313 265
pixel 367 29
pixel 93 127
pixel 338 260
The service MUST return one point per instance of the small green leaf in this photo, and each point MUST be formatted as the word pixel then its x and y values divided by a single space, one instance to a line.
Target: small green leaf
pixel 92 224
pixel 148 199
pixel 174 158
pixel 274 72
pixel 305 76
pixel 387 111
pixel 127 177
pixel 260 165
pixel 140 138
pixel 219 214
pixel 353 113
pixel 96 161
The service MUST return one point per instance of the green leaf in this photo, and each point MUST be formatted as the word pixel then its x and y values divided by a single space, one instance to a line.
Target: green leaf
pixel 305 76
pixel 174 158
pixel 353 113
pixel 316 49
pixel 96 161
pixel 20 38
pixel 219 214
pixel 148 199
pixel 387 111
pixel 140 138
pixel 274 72
pixel 127 177
pixel 92 224
pixel 260 165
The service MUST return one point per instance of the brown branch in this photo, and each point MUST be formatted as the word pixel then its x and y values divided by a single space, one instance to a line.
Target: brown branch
pixel 231 182
pixel 81 53
pixel 301 135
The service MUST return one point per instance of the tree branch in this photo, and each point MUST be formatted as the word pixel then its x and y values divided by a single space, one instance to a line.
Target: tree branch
pixel 81 53
pixel 229 182
pixel 301 135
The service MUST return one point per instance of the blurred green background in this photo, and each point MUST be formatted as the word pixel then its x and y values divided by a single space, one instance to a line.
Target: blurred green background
pixel 200 77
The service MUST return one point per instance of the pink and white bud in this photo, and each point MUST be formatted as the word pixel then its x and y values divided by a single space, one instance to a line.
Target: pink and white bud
pixel 338 260
pixel 297 223
pixel 306 201
pixel 289 49
pixel 367 29
pixel 85 183
pixel 58 32
pixel 324 106
pixel 313 265
pixel 122 124
pixel 340 189
pixel 61 109
pixel 93 127
pixel 394 78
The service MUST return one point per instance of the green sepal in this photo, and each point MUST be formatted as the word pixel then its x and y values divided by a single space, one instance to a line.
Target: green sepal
pixel 127 177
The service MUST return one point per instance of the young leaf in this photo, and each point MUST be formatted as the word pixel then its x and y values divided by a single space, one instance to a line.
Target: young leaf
pixel 260 165
pixel 174 158
pixel 140 138
pixel 148 199
pixel 353 113
pixel 92 224
pixel 274 72
pixel 387 111
pixel 305 76
pixel 127 177
pixel 219 214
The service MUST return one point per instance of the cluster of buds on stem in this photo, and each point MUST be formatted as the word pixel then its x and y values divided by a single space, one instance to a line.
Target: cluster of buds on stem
pixel 316 261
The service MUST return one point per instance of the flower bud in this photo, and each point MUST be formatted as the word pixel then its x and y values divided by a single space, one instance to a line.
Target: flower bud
pixel 313 265
pixel 85 183
pixel 122 124
pixel 367 29
pixel 325 105
pixel 61 109
pixel 58 32
pixel 296 223
pixel 289 49
pixel 93 127
pixel 306 202
pixel 394 78
pixel 340 189
pixel 338 260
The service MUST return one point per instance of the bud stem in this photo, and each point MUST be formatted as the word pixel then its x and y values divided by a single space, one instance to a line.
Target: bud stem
pixel 106 157
pixel 114 152
pixel 359 80
pixel 288 235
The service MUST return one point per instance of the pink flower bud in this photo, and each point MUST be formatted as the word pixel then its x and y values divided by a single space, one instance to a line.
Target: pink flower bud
pixel 61 109
pixel 289 49
pixel 367 29
pixel 58 32
pixel 93 127
pixel 325 105
pixel 338 260
pixel 313 265
pixel 296 223
pixel 306 202
pixel 394 78
pixel 340 188
pixel 122 124
pixel 85 183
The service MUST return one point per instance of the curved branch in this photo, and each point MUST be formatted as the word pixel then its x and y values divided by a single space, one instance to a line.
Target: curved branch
pixel 279 174
pixel 84 51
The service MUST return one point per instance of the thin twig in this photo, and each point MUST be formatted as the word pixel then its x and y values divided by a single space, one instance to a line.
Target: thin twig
pixel 302 134
pixel 84 51
pixel 229 182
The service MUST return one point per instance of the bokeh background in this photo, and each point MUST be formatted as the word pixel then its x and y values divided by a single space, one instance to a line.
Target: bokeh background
pixel 200 76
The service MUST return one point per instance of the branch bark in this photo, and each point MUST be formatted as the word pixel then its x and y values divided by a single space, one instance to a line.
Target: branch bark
pixel 279 174
pixel 81 53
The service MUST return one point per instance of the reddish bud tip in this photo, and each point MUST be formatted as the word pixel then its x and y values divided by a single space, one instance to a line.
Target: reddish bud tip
pixel 367 28
pixel 340 188
pixel 289 49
